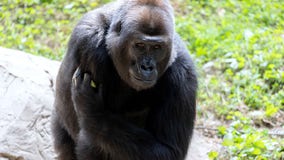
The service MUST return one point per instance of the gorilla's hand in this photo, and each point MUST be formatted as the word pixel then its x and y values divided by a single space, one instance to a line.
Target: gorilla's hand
pixel 86 95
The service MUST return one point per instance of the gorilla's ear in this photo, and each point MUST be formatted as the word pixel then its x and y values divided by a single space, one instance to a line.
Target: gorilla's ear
pixel 116 27
pixel 113 37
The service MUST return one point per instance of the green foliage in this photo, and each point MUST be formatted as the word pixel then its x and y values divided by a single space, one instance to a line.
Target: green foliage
pixel 246 142
pixel 213 155
pixel 41 27
pixel 238 47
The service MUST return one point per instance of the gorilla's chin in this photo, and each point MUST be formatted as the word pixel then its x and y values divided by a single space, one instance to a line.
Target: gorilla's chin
pixel 140 83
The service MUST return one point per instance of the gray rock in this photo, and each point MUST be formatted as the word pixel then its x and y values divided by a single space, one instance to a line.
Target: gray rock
pixel 26 98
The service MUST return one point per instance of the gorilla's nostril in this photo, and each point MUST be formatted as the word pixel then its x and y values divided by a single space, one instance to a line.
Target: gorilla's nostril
pixel 147 67
pixel 143 67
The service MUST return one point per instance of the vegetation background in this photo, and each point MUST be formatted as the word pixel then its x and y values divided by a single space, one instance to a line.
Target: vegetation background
pixel 238 47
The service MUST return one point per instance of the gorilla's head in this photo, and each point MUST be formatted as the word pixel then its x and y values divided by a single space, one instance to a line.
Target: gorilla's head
pixel 140 42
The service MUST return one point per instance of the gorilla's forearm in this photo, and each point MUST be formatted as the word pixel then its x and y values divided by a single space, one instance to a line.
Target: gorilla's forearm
pixel 122 140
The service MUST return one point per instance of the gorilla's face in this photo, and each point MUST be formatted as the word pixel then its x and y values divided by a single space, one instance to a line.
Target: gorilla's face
pixel 141 46
pixel 149 56
pixel 142 60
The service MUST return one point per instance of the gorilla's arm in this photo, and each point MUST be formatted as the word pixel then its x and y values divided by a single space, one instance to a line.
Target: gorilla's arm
pixel 87 36
pixel 166 136
pixel 84 40
pixel 172 120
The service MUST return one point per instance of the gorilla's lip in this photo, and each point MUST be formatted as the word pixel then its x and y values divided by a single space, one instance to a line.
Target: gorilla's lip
pixel 144 80
pixel 141 82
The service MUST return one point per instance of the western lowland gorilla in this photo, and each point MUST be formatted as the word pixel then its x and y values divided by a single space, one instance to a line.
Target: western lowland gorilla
pixel 126 89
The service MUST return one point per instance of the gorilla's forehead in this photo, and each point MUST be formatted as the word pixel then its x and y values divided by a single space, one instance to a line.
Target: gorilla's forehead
pixel 150 19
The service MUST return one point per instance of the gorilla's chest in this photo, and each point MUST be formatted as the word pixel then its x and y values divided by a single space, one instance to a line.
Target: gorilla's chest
pixel 138 117
pixel 133 107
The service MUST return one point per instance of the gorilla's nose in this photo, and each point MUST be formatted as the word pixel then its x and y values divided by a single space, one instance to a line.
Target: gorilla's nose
pixel 148 70
pixel 147 67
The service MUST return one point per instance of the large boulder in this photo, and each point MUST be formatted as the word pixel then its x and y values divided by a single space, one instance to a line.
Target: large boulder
pixel 26 99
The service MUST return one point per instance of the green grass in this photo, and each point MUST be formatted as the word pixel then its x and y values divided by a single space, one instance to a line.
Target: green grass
pixel 41 27
pixel 238 47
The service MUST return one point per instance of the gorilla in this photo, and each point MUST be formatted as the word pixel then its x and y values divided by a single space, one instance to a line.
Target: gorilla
pixel 126 89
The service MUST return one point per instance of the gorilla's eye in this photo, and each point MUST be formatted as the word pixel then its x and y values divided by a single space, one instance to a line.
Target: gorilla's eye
pixel 157 46
pixel 140 45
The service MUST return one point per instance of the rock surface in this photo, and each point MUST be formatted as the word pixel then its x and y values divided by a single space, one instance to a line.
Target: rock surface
pixel 26 98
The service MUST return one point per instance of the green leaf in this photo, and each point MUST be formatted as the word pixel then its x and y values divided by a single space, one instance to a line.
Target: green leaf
pixel 213 155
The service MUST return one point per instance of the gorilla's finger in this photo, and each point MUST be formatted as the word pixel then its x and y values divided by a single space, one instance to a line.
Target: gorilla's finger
pixel 75 76
pixel 77 73
pixel 87 79
pixel 74 81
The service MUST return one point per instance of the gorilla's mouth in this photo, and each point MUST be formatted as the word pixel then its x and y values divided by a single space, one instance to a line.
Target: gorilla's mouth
pixel 140 83
pixel 144 80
